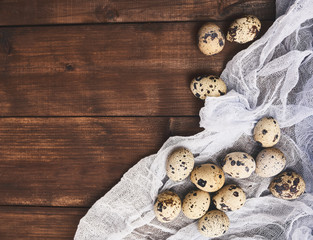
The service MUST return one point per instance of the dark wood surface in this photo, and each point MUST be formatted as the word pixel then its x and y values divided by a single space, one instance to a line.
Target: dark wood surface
pixel 39 222
pixel 73 161
pixel 104 70
pixel 82 100
pixel 39 12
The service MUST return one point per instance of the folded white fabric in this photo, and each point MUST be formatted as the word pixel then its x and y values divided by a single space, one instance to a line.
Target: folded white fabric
pixel 272 77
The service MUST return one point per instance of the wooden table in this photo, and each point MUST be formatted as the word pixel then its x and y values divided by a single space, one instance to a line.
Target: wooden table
pixel 88 88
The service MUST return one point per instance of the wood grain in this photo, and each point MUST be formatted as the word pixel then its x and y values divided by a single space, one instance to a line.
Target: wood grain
pixel 38 12
pixel 110 70
pixel 75 161
pixel 34 223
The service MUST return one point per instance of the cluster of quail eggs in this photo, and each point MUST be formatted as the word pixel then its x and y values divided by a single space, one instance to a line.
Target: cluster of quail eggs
pixel 211 40
pixel 271 161
pixel 209 180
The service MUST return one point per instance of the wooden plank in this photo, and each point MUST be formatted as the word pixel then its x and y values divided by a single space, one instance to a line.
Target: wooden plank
pixel 104 70
pixel 38 12
pixel 75 161
pixel 39 223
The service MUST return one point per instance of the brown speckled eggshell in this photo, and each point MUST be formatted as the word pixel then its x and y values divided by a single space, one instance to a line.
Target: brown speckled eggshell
pixel 269 162
pixel 214 223
pixel 208 86
pixel 288 185
pixel 229 198
pixel 244 29
pixel 167 206
pixel 211 39
pixel 196 203
pixel 208 177
pixel 267 132
pixel 238 164
pixel 179 164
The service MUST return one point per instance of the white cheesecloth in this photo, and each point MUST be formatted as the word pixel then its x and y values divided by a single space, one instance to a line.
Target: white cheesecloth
pixel 272 77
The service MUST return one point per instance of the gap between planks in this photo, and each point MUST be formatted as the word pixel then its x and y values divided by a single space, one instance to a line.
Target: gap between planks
pixel 123 23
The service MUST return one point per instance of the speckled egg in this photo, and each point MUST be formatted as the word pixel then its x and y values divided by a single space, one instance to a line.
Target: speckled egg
pixel 208 177
pixel 211 40
pixel 238 164
pixel 229 198
pixel 244 30
pixel 196 203
pixel 287 185
pixel 267 132
pixel 208 86
pixel 269 162
pixel 213 224
pixel 179 164
pixel 167 206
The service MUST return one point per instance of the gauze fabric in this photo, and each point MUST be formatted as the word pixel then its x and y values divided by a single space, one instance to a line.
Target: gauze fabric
pixel 272 77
